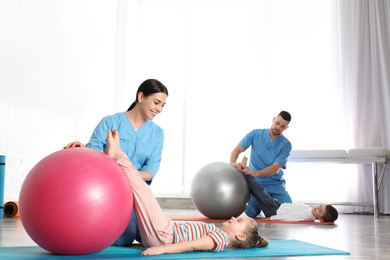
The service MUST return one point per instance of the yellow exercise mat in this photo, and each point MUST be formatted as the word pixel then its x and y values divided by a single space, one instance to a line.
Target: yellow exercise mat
pixel 11 209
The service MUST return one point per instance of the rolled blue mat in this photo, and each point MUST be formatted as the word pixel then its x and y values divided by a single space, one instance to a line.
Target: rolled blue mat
pixel 2 180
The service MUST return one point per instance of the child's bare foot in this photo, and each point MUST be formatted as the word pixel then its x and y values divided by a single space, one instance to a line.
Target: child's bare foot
pixel 113 148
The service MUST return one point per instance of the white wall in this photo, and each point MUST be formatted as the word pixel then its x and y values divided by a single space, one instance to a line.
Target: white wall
pixel 57 78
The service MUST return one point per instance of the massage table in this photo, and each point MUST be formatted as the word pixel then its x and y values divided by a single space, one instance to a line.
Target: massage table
pixel 371 155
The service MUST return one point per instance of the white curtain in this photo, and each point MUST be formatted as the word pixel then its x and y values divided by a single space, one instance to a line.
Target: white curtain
pixel 364 67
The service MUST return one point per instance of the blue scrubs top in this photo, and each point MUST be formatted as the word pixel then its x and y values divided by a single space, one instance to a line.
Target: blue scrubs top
pixel 143 147
pixel 265 153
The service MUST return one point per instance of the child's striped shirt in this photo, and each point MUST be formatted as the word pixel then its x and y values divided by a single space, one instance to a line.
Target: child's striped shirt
pixel 190 231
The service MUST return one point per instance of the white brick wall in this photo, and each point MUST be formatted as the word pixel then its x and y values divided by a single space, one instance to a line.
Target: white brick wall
pixel 57 78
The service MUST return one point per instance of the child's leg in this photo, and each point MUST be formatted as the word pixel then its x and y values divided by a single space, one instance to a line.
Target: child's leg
pixel 155 227
pixel 267 204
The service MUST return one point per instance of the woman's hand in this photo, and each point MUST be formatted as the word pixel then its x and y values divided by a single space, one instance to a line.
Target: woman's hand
pixel 74 144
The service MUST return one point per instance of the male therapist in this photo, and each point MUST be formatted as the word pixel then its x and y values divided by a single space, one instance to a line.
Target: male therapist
pixel 269 155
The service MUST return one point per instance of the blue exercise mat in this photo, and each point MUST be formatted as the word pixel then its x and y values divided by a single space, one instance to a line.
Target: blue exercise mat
pixel 275 248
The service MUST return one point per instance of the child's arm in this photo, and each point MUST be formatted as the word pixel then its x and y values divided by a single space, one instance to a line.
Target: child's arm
pixel 200 244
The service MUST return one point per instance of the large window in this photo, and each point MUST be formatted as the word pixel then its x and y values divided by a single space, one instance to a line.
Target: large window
pixel 231 66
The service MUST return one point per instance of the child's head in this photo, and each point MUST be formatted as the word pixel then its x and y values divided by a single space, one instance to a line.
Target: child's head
pixel 243 233
pixel 325 213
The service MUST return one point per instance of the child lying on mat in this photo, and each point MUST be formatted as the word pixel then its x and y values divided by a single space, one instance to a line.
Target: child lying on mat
pixel 161 235
pixel 273 210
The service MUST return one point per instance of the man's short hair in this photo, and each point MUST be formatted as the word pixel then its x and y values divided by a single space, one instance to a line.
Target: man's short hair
pixel 285 115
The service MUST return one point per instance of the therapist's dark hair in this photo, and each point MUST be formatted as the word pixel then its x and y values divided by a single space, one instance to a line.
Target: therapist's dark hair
pixel 149 87
pixel 285 115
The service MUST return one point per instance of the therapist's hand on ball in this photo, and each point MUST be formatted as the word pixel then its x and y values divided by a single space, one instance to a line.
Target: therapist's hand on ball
pixel 237 165
pixel 74 144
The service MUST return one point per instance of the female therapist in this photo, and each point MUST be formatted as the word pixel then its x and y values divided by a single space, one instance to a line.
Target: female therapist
pixel 140 138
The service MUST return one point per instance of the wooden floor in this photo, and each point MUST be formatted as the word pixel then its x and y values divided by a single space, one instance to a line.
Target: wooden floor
pixel 362 235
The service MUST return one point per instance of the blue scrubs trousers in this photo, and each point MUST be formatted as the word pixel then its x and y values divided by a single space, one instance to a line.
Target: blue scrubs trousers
pixel 130 234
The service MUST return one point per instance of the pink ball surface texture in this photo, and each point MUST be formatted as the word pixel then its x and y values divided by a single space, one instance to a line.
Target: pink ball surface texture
pixel 75 201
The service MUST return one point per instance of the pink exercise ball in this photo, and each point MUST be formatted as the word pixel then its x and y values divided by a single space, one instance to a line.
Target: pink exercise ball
pixel 75 201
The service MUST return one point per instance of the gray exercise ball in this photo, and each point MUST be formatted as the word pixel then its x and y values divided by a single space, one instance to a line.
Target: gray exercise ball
pixel 219 191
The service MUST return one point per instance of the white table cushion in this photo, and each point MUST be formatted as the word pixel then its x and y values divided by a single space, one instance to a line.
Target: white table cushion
pixel 369 152
pixel 303 154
